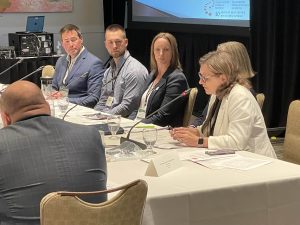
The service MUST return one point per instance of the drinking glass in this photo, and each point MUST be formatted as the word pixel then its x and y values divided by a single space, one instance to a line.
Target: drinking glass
pixel 63 91
pixel 113 123
pixel 63 103
pixel 150 137
pixel 46 86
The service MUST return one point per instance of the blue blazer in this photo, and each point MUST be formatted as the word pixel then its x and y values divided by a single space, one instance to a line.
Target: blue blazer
pixel 84 80
pixel 171 85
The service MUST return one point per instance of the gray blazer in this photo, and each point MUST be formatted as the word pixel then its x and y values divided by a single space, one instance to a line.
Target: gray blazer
pixel 44 154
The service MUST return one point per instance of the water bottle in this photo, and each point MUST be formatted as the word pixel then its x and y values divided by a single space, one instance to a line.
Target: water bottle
pixel 58 48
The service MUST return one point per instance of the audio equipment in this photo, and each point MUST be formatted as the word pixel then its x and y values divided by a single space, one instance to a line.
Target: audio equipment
pixel 32 44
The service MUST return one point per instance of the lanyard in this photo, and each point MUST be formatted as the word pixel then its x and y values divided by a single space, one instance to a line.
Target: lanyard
pixel 114 78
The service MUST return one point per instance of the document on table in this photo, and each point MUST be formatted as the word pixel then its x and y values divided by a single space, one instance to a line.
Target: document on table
pixel 233 161
pixel 243 163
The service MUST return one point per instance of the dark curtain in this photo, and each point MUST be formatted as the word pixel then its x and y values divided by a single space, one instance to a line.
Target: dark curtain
pixel 114 12
pixel 275 47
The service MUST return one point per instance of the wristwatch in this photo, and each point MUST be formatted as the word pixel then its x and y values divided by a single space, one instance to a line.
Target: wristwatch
pixel 200 141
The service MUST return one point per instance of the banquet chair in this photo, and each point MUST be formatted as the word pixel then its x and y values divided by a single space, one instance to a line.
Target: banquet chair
pixel 189 107
pixel 260 98
pixel 125 208
pixel 291 145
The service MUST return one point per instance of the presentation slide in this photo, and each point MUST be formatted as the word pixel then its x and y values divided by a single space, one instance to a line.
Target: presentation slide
pixel 215 12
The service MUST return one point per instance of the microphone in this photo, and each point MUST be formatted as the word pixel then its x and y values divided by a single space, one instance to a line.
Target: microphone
pixel 33 72
pixel 46 79
pixel 141 145
pixel 26 76
pixel 13 65
pixel 48 71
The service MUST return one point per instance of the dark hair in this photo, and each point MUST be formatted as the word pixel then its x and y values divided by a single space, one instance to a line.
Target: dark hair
pixel 70 27
pixel 116 27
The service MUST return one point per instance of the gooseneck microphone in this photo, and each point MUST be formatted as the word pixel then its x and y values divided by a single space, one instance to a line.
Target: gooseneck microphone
pixel 26 76
pixel 12 66
pixel 141 145
pixel 33 72
pixel 48 71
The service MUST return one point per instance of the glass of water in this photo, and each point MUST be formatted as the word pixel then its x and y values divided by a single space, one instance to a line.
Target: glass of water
pixel 113 123
pixel 63 103
pixel 63 100
pixel 150 137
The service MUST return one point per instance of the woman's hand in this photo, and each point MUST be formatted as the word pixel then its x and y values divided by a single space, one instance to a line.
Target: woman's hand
pixel 186 135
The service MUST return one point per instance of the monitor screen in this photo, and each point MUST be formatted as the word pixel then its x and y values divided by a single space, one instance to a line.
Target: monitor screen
pixel 176 14
pixel 35 24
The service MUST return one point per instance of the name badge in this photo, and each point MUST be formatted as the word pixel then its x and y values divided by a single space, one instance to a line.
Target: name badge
pixel 109 101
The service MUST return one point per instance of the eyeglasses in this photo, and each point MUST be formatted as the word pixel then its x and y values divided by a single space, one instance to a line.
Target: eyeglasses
pixel 203 78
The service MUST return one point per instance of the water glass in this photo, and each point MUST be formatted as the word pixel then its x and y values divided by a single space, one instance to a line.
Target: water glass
pixel 63 103
pixel 113 123
pixel 150 137
pixel 63 91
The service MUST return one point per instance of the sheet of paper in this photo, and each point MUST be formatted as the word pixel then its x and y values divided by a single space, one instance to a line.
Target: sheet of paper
pixel 243 163
pixel 199 155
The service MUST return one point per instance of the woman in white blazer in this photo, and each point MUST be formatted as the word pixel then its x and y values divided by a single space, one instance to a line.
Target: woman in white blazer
pixel 234 119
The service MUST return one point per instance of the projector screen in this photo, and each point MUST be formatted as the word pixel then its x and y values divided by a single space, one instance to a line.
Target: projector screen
pixel 226 15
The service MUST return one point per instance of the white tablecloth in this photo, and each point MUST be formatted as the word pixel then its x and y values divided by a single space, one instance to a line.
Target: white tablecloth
pixel 196 195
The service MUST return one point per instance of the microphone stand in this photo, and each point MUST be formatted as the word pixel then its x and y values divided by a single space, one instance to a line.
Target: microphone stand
pixel 28 75
pixel 143 146
pixel 37 70
pixel 13 65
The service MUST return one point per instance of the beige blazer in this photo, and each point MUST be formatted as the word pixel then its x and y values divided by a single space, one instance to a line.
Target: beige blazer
pixel 240 124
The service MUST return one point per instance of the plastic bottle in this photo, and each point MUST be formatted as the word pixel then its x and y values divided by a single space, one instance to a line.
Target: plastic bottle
pixel 58 48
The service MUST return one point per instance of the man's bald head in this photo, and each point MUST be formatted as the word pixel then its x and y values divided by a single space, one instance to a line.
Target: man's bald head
pixel 23 99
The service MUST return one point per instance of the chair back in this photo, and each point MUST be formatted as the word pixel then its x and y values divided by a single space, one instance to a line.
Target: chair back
pixel 260 98
pixel 189 107
pixel 125 208
pixel 291 145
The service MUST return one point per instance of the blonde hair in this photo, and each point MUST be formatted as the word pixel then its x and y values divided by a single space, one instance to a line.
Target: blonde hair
pixel 175 63
pixel 221 62
pixel 241 58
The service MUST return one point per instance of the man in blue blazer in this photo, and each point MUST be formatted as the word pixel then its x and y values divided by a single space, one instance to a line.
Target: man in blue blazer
pixel 40 154
pixel 80 71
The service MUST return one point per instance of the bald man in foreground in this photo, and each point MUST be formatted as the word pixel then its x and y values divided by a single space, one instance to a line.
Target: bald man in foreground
pixel 41 154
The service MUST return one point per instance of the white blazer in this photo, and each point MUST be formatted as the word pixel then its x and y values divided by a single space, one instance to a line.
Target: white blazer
pixel 240 124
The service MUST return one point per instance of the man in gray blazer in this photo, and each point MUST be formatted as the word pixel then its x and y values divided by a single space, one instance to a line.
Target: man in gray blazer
pixel 80 71
pixel 41 154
